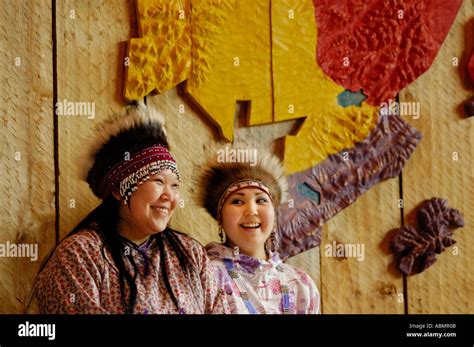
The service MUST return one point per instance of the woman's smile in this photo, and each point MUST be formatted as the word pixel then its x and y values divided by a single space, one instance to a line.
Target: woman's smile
pixel 161 210
pixel 248 219
pixel 150 207
pixel 250 226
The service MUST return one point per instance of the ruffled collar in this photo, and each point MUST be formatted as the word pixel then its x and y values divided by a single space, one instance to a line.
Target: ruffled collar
pixel 250 264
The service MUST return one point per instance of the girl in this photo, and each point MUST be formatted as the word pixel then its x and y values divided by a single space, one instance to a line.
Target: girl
pixel 243 198
pixel 123 258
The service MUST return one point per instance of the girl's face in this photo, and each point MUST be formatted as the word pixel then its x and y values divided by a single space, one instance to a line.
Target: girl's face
pixel 248 220
pixel 150 207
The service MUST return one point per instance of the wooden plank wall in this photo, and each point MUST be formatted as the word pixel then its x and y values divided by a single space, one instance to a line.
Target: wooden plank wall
pixel 374 285
pixel 369 285
pixel 27 211
pixel 91 38
pixel 90 65
pixel 447 287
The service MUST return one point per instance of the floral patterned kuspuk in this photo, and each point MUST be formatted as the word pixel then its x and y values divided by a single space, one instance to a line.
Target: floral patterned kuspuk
pixel 255 286
pixel 81 277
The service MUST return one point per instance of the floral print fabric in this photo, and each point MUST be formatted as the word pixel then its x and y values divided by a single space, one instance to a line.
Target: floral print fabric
pixel 81 277
pixel 263 286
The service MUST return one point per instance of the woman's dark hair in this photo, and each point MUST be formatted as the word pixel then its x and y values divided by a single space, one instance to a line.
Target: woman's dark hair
pixel 104 220
pixel 144 129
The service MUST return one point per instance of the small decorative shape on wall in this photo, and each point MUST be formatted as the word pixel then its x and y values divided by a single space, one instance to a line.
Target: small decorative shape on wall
pixel 415 247
pixel 348 98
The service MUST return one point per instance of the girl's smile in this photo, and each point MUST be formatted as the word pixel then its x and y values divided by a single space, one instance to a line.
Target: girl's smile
pixel 248 220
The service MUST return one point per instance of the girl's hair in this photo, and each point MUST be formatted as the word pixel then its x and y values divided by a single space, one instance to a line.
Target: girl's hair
pixel 104 220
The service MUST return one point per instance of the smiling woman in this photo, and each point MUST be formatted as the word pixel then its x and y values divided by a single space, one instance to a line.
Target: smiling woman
pixel 123 257
pixel 248 220
pixel 150 208
pixel 243 199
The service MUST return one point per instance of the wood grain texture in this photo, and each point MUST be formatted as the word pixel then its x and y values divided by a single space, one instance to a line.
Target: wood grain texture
pixel 370 285
pixel 447 286
pixel 26 143
pixel 188 134
pixel 90 69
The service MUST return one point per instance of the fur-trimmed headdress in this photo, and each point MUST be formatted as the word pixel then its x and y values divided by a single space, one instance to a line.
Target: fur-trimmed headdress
pixel 127 150
pixel 220 177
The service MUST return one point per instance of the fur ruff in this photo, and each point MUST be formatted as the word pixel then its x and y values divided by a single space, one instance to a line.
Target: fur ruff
pixel 135 129
pixel 216 176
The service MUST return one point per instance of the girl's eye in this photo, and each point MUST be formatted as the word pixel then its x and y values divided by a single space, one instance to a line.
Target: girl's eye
pixel 159 180
pixel 236 202
pixel 262 200
pixel 175 186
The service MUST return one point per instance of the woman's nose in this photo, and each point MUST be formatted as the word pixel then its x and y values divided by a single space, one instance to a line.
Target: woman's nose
pixel 251 210
pixel 167 193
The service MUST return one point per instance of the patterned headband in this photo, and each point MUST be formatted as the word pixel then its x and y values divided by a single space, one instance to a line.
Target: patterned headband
pixel 239 185
pixel 127 175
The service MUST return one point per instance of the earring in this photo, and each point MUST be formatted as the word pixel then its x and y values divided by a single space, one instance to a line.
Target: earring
pixel 273 236
pixel 221 234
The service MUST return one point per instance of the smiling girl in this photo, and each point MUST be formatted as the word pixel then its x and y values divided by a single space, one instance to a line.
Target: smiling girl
pixel 243 199
pixel 123 257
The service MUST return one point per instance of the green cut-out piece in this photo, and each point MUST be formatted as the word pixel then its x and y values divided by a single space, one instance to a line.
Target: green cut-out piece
pixel 305 190
pixel 348 98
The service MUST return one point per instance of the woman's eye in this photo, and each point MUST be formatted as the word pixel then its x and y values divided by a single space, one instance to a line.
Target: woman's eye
pixel 262 201
pixel 159 180
pixel 175 186
pixel 236 202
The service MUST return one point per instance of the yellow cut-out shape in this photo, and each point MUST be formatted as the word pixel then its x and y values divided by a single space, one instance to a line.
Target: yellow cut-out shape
pixel 161 57
pixel 301 89
pixel 231 60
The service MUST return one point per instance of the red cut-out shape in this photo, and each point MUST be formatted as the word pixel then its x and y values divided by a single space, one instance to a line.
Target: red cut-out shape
pixel 470 67
pixel 380 46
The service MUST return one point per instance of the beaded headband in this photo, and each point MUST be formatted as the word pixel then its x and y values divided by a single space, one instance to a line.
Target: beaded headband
pixel 239 185
pixel 127 175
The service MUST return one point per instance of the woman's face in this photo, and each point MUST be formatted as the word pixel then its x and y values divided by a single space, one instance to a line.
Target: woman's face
pixel 150 207
pixel 248 220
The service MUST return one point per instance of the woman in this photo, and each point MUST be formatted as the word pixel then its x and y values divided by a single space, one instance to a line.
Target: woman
pixel 243 198
pixel 123 258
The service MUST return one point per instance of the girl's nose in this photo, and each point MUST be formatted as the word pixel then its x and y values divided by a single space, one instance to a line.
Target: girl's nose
pixel 251 210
